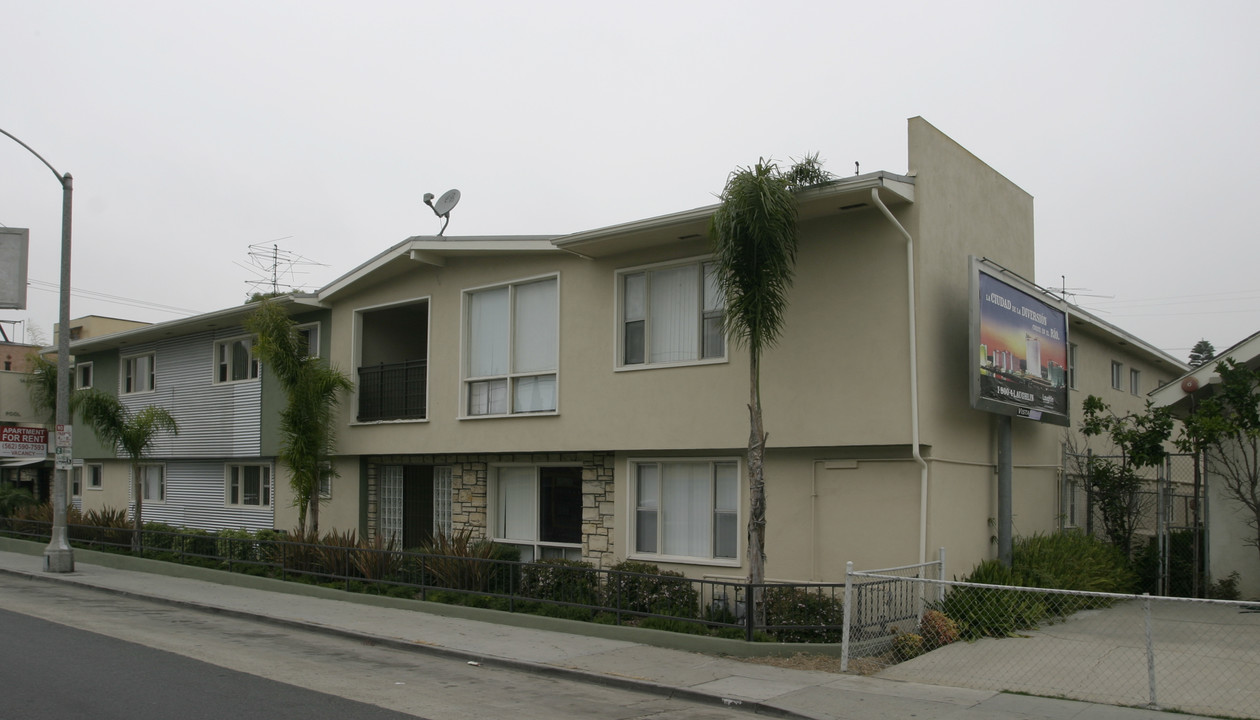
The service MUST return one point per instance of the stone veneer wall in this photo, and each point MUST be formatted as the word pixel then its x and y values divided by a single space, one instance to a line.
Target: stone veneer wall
pixel 469 483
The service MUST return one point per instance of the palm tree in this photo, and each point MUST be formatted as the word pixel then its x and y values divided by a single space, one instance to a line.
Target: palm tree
pixel 118 426
pixel 311 389
pixel 754 233
pixel 41 384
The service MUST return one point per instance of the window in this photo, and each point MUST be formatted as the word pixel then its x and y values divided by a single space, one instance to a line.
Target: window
pixel 95 476
pixel 234 361
pixel 249 485
pixel 83 375
pixel 1117 375
pixel 138 373
pixel 1135 382
pixel 153 482
pixel 511 349
pixel 671 315
pixel 76 481
pixel 308 337
pixel 686 509
pixel 325 481
pixel 539 510
pixel 1072 365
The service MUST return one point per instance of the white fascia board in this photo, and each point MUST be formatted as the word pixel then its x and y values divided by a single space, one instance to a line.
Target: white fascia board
pixel 1245 352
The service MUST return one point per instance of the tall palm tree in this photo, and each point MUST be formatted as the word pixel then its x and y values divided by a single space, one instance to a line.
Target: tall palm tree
pixel 312 390
pixel 41 384
pixel 132 432
pixel 754 234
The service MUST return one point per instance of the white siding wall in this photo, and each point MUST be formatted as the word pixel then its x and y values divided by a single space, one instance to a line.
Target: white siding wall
pixel 215 420
pixel 195 497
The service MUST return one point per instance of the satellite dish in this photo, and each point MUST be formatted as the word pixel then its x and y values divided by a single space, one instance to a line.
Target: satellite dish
pixel 442 208
pixel 446 203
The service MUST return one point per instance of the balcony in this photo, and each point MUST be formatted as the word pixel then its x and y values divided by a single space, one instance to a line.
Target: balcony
pixel 393 391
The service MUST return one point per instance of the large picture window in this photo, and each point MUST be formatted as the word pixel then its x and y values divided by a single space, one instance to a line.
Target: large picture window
pixel 511 349
pixel 249 485
pixel 686 509
pixel 138 374
pixel 539 510
pixel 671 315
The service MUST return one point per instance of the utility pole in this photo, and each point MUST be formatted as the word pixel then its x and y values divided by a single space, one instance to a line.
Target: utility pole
pixel 59 556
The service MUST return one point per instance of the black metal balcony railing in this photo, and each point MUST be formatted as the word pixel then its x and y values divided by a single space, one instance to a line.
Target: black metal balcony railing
pixel 393 391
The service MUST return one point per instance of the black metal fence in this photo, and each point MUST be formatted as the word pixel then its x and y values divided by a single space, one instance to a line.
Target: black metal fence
pixel 393 391
pixel 669 601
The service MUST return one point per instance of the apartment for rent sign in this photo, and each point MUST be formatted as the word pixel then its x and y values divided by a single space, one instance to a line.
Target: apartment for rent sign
pixel 23 442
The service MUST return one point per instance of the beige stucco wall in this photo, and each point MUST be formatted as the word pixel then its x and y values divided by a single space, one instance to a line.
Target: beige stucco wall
pixel 841 482
pixel 340 512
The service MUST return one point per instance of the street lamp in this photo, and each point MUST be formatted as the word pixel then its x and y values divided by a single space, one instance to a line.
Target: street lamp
pixel 59 556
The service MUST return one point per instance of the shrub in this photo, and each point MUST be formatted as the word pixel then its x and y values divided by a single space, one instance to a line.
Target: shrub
pixel 1226 588
pixel 796 614
pixel 937 629
pixel 993 612
pixel 13 498
pixel 907 646
pixel 462 562
pixel 376 559
pixel 1071 561
pixel 560 580
pixel 645 588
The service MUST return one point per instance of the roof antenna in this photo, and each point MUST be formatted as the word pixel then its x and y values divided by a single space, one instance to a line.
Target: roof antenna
pixel 442 208
pixel 857 168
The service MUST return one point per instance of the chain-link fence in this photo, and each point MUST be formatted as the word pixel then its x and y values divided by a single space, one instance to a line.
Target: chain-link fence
pixel 1164 512
pixel 1189 655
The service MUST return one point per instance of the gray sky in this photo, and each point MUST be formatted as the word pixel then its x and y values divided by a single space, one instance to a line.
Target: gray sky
pixel 194 130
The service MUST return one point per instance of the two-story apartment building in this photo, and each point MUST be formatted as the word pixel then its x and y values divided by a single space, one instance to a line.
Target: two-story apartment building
pixel 574 395
pixel 219 471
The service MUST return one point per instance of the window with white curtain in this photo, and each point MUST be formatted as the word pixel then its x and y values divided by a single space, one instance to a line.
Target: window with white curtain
pixel 138 373
pixel 671 314
pixel 234 360
pixel 686 509
pixel 511 347
pixel 153 482
pixel 538 509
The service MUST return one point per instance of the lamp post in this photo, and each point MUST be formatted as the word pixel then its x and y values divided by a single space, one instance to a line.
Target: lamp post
pixel 59 556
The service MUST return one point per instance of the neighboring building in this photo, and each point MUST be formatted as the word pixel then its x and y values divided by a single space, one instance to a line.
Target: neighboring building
pixel 90 326
pixel 219 471
pixel 574 395
pixel 16 410
pixel 1122 370
pixel 1229 535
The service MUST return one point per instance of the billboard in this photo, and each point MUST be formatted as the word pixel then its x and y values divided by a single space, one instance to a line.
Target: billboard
pixel 13 248
pixel 1018 347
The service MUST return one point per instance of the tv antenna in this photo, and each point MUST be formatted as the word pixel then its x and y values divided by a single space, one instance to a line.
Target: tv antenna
pixel 442 208
pixel 276 270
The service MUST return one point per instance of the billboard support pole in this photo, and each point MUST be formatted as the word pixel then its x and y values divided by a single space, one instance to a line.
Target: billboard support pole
pixel 1004 469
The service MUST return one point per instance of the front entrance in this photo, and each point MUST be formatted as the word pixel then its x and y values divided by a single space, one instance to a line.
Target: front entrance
pixel 415 503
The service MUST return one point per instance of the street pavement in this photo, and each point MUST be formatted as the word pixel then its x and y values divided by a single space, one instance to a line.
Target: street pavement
pixel 630 658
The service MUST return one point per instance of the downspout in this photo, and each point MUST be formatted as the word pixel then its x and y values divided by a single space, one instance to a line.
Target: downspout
pixel 914 376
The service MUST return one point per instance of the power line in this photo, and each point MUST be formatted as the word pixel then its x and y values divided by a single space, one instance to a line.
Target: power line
pixel 46 286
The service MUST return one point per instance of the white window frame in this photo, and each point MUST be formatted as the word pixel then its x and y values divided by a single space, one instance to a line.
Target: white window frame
pixel 225 361
pixel 325 482
pixel 95 476
pixel 637 505
pixel 266 485
pixel 1135 381
pixel 80 370
pixel 132 381
pixel 309 331
pixel 477 387
pixel 1117 375
pixel 707 313
pixel 539 548
pixel 76 479
pixel 143 467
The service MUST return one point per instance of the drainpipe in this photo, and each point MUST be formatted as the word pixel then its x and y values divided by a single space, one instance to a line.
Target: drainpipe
pixel 914 376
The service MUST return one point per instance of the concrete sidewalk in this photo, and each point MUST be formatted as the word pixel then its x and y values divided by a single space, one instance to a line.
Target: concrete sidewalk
pixel 609 656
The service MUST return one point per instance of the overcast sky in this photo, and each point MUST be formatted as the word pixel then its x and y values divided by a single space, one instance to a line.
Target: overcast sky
pixel 194 130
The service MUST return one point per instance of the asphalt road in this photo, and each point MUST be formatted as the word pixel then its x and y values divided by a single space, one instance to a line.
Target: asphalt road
pixel 148 661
